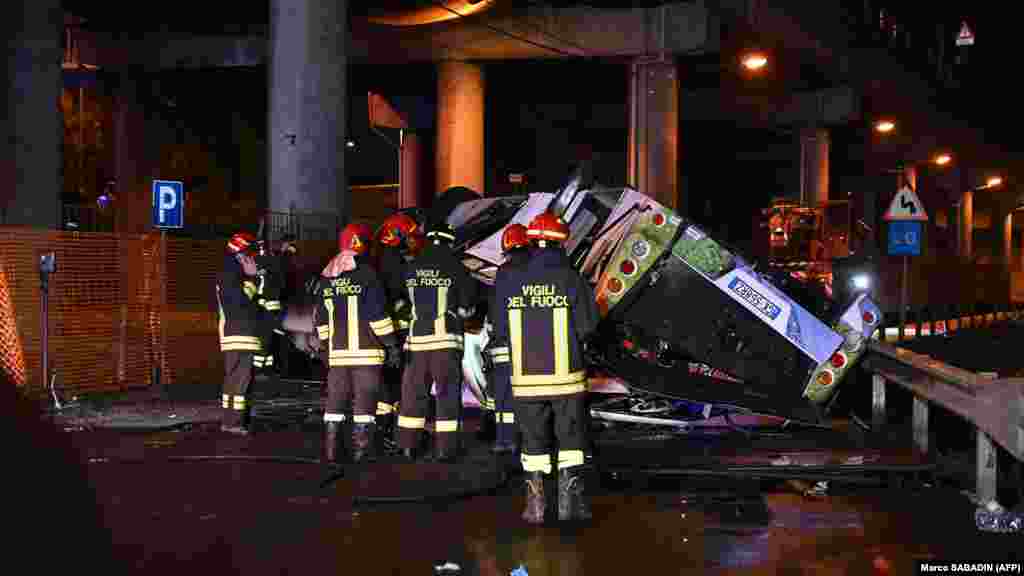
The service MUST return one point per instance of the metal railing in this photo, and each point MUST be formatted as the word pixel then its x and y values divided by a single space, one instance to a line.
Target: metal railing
pixel 311 226
pixel 87 218
pixel 993 407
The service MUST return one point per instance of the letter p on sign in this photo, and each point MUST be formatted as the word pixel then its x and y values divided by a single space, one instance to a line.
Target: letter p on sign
pixel 168 204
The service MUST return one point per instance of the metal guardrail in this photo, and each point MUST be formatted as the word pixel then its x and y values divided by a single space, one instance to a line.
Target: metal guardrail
pixel 311 226
pixel 993 407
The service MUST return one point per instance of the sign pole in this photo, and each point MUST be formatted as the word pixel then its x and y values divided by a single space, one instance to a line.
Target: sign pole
pixel 163 309
pixel 904 282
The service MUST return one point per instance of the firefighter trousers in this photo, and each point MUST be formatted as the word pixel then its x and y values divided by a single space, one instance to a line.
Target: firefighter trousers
pixel 504 412
pixel 570 424
pixel 443 367
pixel 352 389
pixel 238 373
pixel 389 393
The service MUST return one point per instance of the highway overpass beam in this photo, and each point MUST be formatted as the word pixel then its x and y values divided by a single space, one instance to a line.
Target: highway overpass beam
pixel 460 126
pixel 30 191
pixel 307 107
pixel 654 131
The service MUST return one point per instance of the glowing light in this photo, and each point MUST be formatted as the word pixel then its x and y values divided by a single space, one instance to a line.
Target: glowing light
pixel 861 282
pixel 431 13
pixel 350 143
pixel 994 181
pixel 885 126
pixel 755 61
pixel 943 159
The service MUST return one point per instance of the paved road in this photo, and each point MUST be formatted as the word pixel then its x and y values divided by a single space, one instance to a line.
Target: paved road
pixel 255 518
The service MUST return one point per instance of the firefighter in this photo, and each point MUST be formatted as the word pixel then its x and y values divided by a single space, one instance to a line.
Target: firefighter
pixel 549 313
pixel 398 236
pixel 240 320
pixel 287 252
pixel 515 244
pixel 441 293
pixel 269 285
pixel 353 322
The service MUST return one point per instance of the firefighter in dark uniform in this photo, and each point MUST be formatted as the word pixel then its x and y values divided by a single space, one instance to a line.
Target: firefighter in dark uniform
pixel 352 320
pixel 442 295
pixel 269 284
pixel 515 244
pixel 240 321
pixel 549 313
pixel 396 240
pixel 289 286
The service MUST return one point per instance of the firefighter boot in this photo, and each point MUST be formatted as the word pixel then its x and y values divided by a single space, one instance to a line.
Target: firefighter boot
pixel 572 503
pixel 534 513
pixel 386 434
pixel 362 441
pixel 330 456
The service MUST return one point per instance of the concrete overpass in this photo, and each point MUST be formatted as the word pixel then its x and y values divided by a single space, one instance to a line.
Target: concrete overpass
pixel 820 79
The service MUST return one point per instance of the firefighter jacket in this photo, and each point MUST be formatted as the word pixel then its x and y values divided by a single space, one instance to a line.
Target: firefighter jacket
pixel 239 318
pixel 269 283
pixel 392 274
pixel 442 294
pixel 549 312
pixel 497 347
pixel 352 318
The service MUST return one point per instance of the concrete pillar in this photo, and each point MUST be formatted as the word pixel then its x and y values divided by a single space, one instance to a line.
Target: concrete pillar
pixel 136 159
pixel 814 149
pixel 654 131
pixel 1008 240
pixel 1021 249
pixel 460 126
pixel 33 130
pixel 410 170
pixel 966 227
pixel 307 108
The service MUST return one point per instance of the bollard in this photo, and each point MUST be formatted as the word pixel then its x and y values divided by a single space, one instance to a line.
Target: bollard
pixel 877 402
pixel 985 459
pixel 921 424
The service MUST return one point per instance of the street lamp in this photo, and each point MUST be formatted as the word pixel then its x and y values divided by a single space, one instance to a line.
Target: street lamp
pixel 885 126
pixel 754 61
pixel 943 159
pixel 993 182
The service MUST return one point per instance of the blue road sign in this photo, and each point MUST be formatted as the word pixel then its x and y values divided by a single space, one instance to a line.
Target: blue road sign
pixel 168 204
pixel 905 238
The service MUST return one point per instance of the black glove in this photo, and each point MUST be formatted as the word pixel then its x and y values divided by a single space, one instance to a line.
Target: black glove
pixel 488 361
pixel 393 357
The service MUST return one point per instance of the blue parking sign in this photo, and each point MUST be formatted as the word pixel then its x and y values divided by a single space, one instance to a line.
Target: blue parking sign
pixel 168 204
pixel 905 238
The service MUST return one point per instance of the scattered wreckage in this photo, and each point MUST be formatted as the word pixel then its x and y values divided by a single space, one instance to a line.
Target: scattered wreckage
pixel 690 329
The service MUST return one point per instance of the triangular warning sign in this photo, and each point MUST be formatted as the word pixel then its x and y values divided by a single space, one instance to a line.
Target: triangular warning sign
pixel 906 206
pixel 965 37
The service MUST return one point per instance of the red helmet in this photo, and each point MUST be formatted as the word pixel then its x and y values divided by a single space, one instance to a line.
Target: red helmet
pixel 241 242
pixel 547 226
pixel 514 236
pixel 355 237
pixel 396 229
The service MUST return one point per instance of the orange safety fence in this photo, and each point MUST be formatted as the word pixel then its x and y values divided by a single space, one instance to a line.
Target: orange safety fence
pixel 12 354
pixel 119 308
